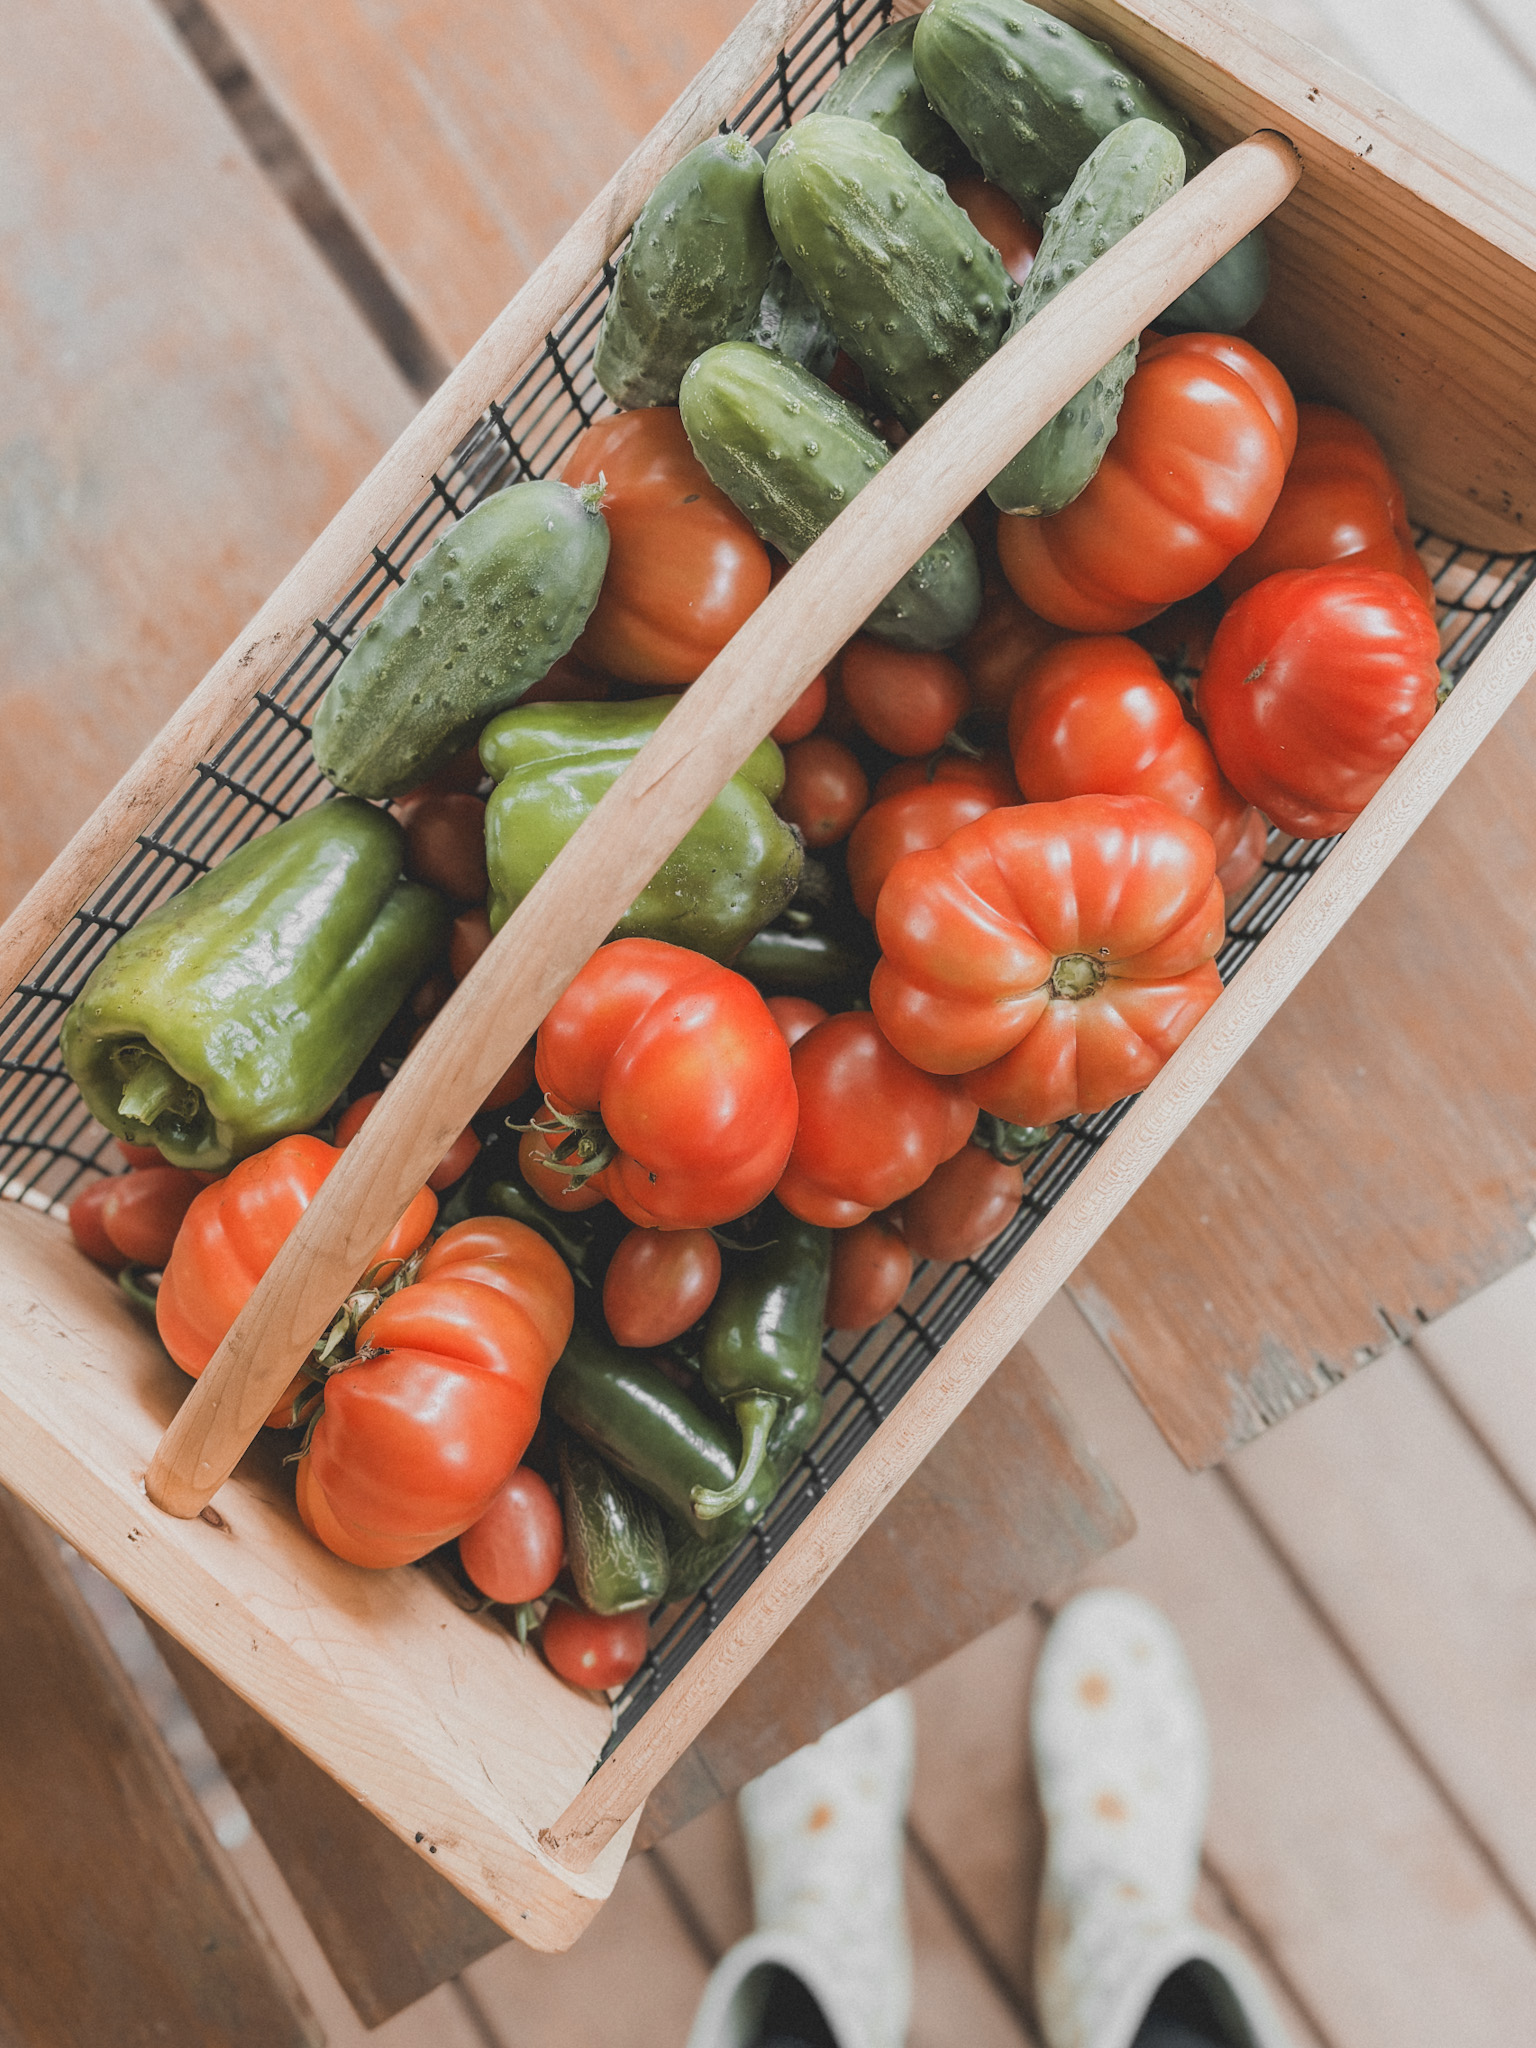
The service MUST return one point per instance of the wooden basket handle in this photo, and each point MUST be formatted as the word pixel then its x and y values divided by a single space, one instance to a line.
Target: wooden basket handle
pixel 672 781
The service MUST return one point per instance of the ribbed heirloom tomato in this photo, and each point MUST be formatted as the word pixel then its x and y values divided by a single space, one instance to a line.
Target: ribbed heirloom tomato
pixel 1054 955
pixel 685 570
pixel 675 1082
pixel 1206 434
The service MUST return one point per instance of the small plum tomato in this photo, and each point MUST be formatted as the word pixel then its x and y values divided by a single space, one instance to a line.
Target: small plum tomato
pixel 469 938
pixel 140 1155
pixel 453 1165
pixel 658 1284
pixel 909 821
pixel 964 1203
pixel 86 1226
pixel 871 1271
pixel 825 790
pixel 1006 636
pixel 515 1551
pixel 795 1015
pixel 993 214
pixel 805 714
pixel 445 845
pixel 906 703
pixel 593 1650
pixel 144 1210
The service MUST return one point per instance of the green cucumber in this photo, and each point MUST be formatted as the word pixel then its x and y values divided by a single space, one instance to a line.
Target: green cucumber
pixel 1133 170
pixel 915 293
pixel 880 85
pixel 693 274
pixel 792 324
pixel 614 1541
pixel 790 454
pixel 1032 98
pixel 482 618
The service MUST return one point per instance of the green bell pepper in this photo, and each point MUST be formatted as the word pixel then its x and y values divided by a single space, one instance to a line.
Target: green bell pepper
pixel 762 1340
pixel 236 1013
pixel 552 763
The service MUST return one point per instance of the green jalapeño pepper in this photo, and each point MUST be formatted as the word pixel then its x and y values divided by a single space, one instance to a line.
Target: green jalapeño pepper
pixel 762 1341
pixel 552 763
pixel 613 1534
pixel 694 1558
pixel 236 1013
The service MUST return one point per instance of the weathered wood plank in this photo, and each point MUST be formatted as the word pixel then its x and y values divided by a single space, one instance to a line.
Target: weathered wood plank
pixel 1484 1356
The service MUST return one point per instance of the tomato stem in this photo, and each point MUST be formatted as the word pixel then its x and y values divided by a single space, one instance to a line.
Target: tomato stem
pixel 1075 976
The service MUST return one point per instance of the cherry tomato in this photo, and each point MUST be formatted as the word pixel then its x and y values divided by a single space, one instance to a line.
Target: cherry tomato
pixel 964 1203
pixel 991 772
pixel 517 1080
pixel 555 1189
pixel 86 1225
pixel 871 1271
pixel 469 938
pixel 658 1284
pixel 824 791
pixel 795 1015
pixel 515 1551
pixel 904 822
pixel 593 1650
pixel 445 845
pixel 140 1155
pixel 805 714
pixel 453 1165
pixel 685 569
pixel 1006 636
pixel 906 703
pixel 993 214
pixel 143 1211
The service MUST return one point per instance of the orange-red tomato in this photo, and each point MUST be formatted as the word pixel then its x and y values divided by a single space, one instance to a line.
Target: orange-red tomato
pixel 685 569
pixel 87 1228
pixel 871 1271
pixel 992 773
pixel 143 1211
pixel 515 1551
pixel 658 1284
pixel 1205 436
pixel 795 1015
pixel 906 703
pixel 805 714
pixel 993 214
pixel 517 1080
pixel 1094 717
pixel 1243 863
pixel 825 789
pixel 445 845
pixel 593 1650
pixel 906 821
pixel 962 1205
pixel 498 1252
pixel 470 936
pixel 1006 636
pixel 453 1165
pixel 1340 503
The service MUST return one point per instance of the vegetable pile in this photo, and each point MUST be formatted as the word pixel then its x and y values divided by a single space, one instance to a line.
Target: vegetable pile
pixel 974 885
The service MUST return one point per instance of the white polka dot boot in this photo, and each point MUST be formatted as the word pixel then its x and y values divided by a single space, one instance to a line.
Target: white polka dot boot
pixel 824 1832
pixel 1122 1764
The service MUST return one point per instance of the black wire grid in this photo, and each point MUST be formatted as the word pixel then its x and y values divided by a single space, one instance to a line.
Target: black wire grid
pixel 266 772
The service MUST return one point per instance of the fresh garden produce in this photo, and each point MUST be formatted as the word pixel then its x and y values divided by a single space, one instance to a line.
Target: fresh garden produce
pixel 1317 684
pixel 237 1012
pixel 1012 1143
pixel 791 454
pixel 1031 98
pixel 445 843
pixel 990 210
pixel 906 703
pixel 453 1165
pixel 693 274
pixel 543 1159
pixel 673 1082
pixel 658 1284
pixel 805 714
pixel 734 871
pixel 586 1241
pixel 133 1218
pixel 613 1535
pixel 1340 502
pixel 1206 432
pixel 922 815
pixel 1004 638
pixel 872 1125
pixel 499 599
pixel 962 1206
pixel 915 294
pixel 1054 955
pixel 1095 718
pixel 795 1015
pixel 593 1650
pixel 695 1556
pixel 519 1263
pixel 871 1271
pixel 825 790
pixel 514 1552
pixel 685 570
pixel 231 1234
pixel 779 959
pixel 879 85
pixel 762 1341
pixel 1130 174
pixel 790 322
pixel 992 773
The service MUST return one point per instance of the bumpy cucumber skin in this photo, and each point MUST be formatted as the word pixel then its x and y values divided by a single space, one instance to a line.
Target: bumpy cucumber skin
pixel 480 619
pixel 1131 173
pixel 915 293
pixel 694 273
pixel 1031 98
pixel 881 86
pixel 790 454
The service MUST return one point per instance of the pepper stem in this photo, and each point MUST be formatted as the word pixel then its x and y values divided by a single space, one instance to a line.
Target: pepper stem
pixel 151 1088
pixel 755 1415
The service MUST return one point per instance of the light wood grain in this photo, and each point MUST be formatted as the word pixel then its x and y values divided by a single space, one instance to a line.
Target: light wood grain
pixel 435 1719
pixel 625 839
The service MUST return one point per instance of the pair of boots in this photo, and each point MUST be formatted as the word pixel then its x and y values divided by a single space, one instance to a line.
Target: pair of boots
pixel 1121 1761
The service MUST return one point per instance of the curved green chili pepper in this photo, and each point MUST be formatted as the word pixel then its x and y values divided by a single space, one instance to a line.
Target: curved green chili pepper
pixel 762 1341
pixel 694 1559
pixel 585 1238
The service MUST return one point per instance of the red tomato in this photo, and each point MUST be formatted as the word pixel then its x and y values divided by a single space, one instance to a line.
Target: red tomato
pixel 86 1225
pixel 906 703
pixel 517 1080
pixel 453 1165
pixel 1205 435
pixel 515 1551
pixel 962 1205
pixel 1340 503
pixel 993 214
pixel 140 1155
pixel 871 1271
pixel 445 845
pixel 593 1650
pixel 1053 954
pixel 1003 639
pixel 469 938
pixel 1243 865
pixel 1318 683
pixel 496 1251
pixel 909 820
pixel 1095 718
pixel 685 569
pixel 556 1190
pixel 658 1284
pixel 872 1127
pixel 570 682
pixel 232 1233
pixel 805 714
pixel 414 1444
pixel 824 790
pixel 990 772
pixel 142 1211
pixel 794 1015
pixel 689 1073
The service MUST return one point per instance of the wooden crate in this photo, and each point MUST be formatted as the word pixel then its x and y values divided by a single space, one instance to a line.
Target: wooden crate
pixel 1405 288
